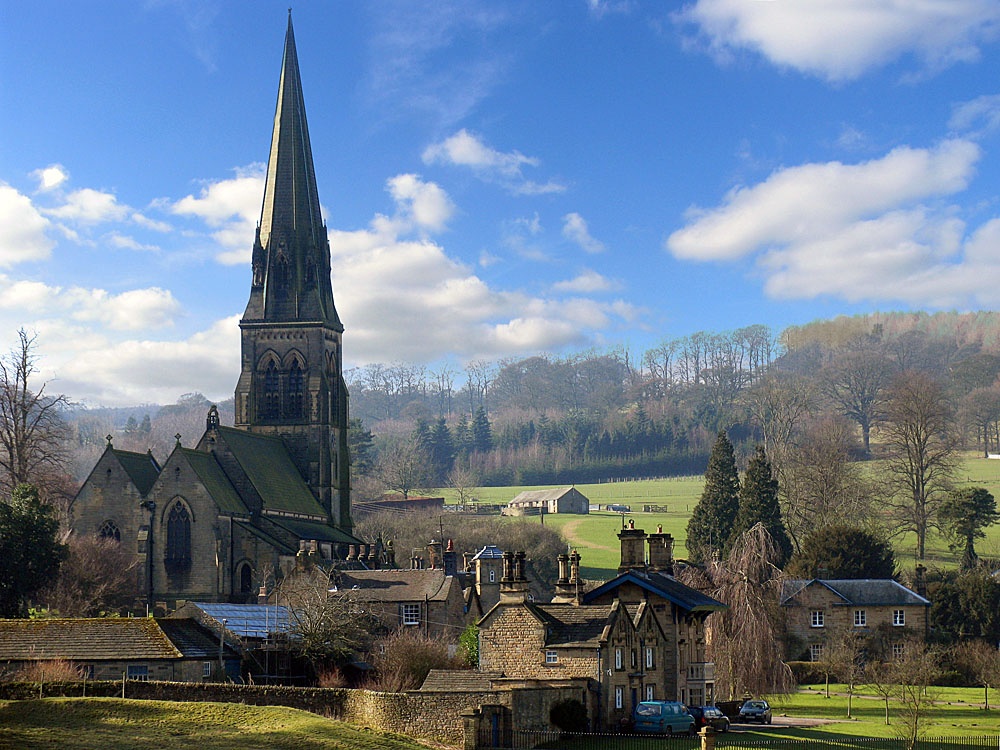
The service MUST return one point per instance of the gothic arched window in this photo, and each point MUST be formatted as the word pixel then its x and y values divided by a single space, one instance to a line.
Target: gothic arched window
pixel 110 530
pixel 178 552
pixel 244 578
pixel 296 391
pixel 270 394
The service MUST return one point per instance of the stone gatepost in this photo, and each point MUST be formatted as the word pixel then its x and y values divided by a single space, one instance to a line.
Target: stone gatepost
pixel 471 719
pixel 707 735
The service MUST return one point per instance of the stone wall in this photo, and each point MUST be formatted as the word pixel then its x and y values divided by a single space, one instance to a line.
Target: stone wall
pixel 429 716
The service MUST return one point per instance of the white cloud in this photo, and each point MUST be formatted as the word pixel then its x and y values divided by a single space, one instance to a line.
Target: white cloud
pixel 22 229
pixel 981 115
pixel 799 203
pixel 424 203
pixel 125 242
pixel 50 177
pixel 464 149
pixel 587 282
pixel 873 231
pixel 89 206
pixel 231 206
pixel 842 39
pixel 575 229
pixel 601 8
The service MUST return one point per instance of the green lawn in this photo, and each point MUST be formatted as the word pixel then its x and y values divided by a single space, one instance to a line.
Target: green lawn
pixel 594 535
pixel 114 724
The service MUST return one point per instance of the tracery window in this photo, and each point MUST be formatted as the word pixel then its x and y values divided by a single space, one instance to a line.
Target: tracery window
pixel 110 530
pixel 270 396
pixel 296 391
pixel 178 551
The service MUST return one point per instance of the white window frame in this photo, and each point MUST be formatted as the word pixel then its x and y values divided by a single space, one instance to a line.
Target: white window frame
pixel 551 657
pixel 139 672
pixel 493 576
pixel 816 618
pixel 650 693
pixel 619 696
pixel 860 618
pixel 410 614
pixel 650 662
pixel 206 668
pixel 898 650
pixel 899 618
pixel 619 658
pixel 816 652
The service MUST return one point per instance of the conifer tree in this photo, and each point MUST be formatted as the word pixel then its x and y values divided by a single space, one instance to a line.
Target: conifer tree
pixel 482 432
pixel 713 518
pixel 759 504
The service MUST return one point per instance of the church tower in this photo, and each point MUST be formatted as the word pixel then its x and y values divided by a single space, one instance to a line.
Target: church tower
pixel 291 381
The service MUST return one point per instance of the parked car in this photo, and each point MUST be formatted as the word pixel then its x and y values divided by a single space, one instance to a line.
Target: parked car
pixel 662 717
pixel 756 710
pixel 709 716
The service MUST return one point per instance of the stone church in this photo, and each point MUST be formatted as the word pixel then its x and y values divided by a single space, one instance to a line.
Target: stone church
pixel 217 521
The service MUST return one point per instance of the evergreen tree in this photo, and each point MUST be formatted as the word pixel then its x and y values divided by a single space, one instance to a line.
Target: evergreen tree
pixel 963 516
pixel 361 445
pixel 759 504
pixel 463 436
pixel 713 518
pixel 146 426
pixel 30 552
pixel 842 551
pixel 482 432
pixel 441 450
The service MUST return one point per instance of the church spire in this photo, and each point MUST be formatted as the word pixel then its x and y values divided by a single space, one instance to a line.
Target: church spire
pixel 291 256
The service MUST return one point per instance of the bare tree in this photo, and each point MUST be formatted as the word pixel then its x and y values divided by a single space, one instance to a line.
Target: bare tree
pixel 745 639
pixel 328 626
pixel 98 578
pixel 914 670
pixel 778 403
pixel 403 466
pixel 465 482
pixel 982 661
pixel 33 433
pixel 856 380
pixel 403 659
pixel 918 434
pixel 845 653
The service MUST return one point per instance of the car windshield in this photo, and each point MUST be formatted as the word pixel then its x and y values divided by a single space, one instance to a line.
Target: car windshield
pixel 647 709
pixel 755 704
pixel 713 712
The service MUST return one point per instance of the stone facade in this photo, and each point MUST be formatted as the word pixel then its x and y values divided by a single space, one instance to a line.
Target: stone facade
pixel 818 611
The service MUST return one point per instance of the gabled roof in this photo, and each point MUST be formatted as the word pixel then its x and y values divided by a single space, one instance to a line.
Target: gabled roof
pixel 400 585
pixel 141 468
pixel 489 552
pixel 245 620
pixel 572 625
pixel 871 592
pixel 85 640
pixel 662 585
pixel 193 640
pixel 536 496
pixel 272 472
pixel 216 482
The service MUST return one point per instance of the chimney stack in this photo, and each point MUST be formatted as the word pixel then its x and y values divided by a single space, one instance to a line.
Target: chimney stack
pixel 633 543
pixel 661 552
pixel 513 584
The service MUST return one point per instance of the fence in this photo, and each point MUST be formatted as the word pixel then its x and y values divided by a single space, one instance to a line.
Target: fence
pixel 733 741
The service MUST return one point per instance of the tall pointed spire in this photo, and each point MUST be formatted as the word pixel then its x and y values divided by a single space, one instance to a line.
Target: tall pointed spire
pixel 291 258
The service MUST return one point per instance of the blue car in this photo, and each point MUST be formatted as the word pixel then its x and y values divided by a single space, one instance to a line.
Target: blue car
pixel 662 717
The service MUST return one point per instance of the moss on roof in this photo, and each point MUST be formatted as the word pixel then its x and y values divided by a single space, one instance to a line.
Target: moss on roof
pixel 272 472
pixel 216 482
pixel 85 639
pixel 321 532
pixel 141 468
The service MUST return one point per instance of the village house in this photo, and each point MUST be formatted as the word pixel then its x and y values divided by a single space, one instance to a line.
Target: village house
pixel 818 610
pixel 639 636
pixel 109 648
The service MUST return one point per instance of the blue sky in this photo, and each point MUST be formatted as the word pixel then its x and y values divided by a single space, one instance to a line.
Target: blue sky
pixel 499 179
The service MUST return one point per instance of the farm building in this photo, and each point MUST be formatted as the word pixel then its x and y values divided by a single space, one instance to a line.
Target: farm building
pixel 559 500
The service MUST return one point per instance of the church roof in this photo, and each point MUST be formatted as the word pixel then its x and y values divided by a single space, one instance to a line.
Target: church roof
pixel 216 482
pixel 272 472
pixel 321 532
pixel 142 468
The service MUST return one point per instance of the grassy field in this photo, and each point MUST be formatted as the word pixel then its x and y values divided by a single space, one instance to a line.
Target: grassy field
pixel 114 724
pixel 594 535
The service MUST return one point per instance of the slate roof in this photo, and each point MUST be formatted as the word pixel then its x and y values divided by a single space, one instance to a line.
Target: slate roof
pixel 142 468
pixel 571 625
pixel 313 530
pixel 85 640
pixel 399 585
pixel 216 482
pixel 871 592
pixel 660 584
pixel 272 472
pixel 193 640
pixel 535 496
pixel 490 552
pixel 459 681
